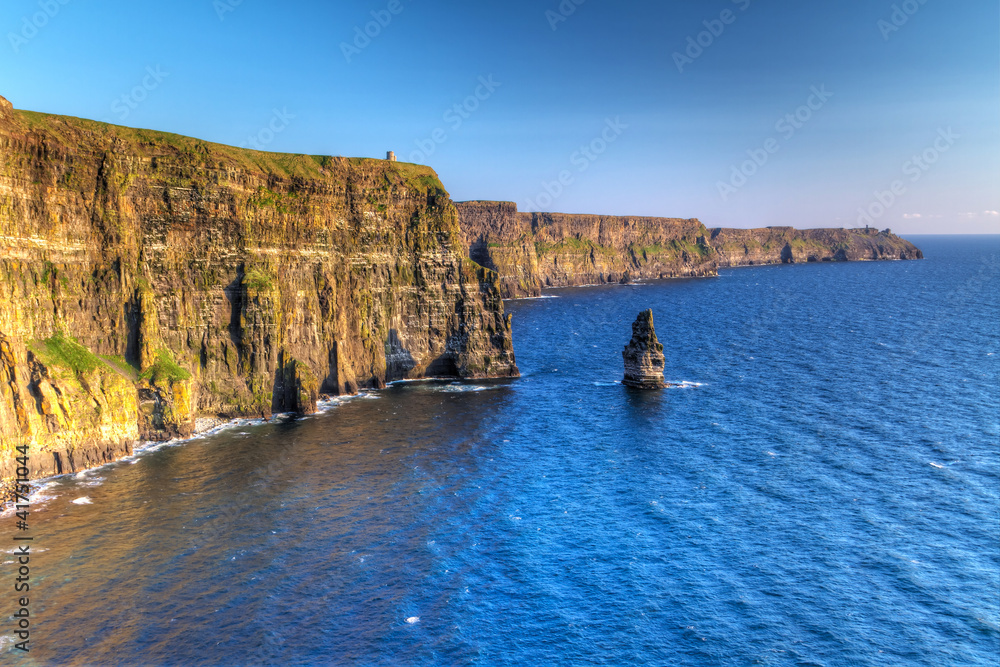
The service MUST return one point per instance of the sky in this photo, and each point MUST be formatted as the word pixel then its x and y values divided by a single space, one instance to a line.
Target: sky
pixel 742 113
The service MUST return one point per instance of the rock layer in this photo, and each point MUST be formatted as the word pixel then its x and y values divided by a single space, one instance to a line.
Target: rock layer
pixel 643 356
pixel 535 250
pixel 786 245
pixel 150 278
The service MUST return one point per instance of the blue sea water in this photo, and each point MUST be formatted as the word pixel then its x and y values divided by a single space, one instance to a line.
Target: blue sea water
pixel 824 491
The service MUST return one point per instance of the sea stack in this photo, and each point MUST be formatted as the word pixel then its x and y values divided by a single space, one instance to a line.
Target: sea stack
pixel 643 355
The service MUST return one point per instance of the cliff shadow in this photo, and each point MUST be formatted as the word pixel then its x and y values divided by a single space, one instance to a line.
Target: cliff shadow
pixel 132 339
pixel 479 252
pixel 234 294
pixel 399 361
pixel 443 366
pixel 643 405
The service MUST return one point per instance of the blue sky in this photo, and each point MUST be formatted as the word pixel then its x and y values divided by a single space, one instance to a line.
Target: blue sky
pixel 742 113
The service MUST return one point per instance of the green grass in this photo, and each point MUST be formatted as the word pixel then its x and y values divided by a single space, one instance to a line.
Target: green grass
pixel 258 280
pixel 81 132
pixel 572 243
pixel 119 363
pixel 165 369
pixel 674 250
pixel 64 352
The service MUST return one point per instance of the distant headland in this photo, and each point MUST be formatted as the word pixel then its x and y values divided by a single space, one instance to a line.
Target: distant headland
pixel 531 251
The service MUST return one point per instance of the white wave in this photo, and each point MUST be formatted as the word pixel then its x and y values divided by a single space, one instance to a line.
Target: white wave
pixel 327 404
pixel 533 298
pixel 39 495
pixel 149 448
pixel 145 448
pixel 83 501
pixel 413 619
pixel 463 388
pixel 937 465
pixel 412 381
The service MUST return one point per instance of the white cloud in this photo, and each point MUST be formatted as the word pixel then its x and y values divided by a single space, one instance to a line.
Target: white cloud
pixel 977 214
pixel 911 216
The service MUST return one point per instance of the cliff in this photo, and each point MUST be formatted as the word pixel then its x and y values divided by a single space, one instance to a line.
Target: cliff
pixel 534 250
pixel 150 278
pixel 786 245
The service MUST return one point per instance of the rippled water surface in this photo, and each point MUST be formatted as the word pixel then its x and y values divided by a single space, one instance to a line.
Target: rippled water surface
pixel 824 492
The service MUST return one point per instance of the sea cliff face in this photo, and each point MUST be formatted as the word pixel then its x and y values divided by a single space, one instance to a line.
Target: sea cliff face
pixel 535 250
pixel 150 278
pixel 786 245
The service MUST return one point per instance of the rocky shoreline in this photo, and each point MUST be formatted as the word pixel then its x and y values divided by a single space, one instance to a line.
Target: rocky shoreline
pixel 152 280
pixel 205 425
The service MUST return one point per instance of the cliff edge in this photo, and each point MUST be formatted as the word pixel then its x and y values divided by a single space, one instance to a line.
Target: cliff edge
pixel 534 250
pixel 149 278
pixel 786 245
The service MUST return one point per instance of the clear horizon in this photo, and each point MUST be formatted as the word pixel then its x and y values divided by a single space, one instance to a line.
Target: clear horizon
pixel 737 112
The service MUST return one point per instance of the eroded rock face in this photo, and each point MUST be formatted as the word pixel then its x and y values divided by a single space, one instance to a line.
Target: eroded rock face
pixel 499 238
pixel 205 280
pixel 787 245
pixel 535 250
pixel 71 419
pixel 644 360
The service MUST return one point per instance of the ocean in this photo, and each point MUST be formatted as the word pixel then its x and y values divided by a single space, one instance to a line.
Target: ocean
pixel 823 489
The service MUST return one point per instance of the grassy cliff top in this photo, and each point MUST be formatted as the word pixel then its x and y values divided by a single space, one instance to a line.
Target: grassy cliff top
pixel 80 132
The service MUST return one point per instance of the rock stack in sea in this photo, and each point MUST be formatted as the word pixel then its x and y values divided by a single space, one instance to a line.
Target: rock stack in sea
pixel 643 355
